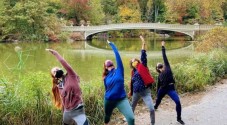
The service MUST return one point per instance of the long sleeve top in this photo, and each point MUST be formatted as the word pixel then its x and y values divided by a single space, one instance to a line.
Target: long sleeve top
pixel 70 92
pixel 166 77
pixel 137 81
pixel 114 80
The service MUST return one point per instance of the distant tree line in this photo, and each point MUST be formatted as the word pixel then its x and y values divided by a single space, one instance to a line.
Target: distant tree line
pixel 41 20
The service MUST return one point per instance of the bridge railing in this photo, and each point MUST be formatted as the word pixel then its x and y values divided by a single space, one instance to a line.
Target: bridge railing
pixel 139 26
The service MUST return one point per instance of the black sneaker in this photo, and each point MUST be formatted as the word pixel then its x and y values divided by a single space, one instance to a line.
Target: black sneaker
pixel 155 108
pixel 180 121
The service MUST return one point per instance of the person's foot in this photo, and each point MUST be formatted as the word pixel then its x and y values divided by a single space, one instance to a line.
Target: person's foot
pixel 155 107
pixel 180 121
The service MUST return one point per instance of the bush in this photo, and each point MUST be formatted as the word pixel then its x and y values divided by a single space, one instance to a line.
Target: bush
pixel 200 70
pixel 215 38
pixel 28 101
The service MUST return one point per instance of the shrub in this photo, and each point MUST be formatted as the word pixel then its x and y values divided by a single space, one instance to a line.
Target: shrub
pixel 216 38
pixel 200 70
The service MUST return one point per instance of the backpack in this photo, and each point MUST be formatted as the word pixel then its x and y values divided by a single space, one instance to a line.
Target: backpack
pixel 145 75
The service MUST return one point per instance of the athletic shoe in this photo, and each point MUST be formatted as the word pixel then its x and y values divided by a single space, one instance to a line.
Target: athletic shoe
pixel 180 121
pixel 155 107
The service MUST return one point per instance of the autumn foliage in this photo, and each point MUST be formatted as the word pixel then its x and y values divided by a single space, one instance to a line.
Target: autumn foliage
pixel 213 39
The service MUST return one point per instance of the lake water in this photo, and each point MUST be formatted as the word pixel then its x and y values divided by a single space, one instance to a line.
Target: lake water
pixel 85 57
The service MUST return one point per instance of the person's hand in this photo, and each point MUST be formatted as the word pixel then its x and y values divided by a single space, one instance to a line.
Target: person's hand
pixel 163 43
pixel 108 41
pixel 142 39
pixel 50 50
pixel 129 94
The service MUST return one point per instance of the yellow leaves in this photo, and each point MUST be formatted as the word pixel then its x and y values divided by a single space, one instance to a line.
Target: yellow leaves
pixel 129 15
pixel 213 39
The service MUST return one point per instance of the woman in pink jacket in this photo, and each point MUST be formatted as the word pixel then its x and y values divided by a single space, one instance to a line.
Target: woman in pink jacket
pixel 67 93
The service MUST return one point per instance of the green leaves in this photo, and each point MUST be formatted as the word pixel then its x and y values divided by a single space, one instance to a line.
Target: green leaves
pixel 26 18
pixel 200 70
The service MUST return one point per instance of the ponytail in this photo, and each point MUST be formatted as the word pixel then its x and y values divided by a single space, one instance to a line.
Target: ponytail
pixel 56 94
pixel 105 72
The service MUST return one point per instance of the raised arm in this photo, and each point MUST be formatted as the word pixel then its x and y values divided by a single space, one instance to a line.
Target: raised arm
pixel 143 42
pixel 143 57
pixel 67 67
pixel 166 62
pixel 117 56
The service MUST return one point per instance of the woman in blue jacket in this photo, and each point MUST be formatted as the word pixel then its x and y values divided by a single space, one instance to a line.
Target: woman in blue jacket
pixel 115 94
pixel 166 84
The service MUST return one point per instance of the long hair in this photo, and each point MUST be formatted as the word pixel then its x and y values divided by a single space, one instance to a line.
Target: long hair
pixel 131 61
pixel 56 94
pixel 105 71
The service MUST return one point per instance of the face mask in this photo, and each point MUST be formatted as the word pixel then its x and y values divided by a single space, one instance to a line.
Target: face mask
pixel 59 73
pixel 134 64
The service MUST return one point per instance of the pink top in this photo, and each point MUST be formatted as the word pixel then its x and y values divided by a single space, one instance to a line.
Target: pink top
pixel 71 92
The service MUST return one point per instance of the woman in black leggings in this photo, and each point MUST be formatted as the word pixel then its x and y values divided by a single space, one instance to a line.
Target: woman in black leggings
pixel 166 84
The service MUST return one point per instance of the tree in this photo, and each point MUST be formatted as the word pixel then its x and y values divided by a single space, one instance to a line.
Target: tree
pixel 110 9
pixel 96 12
pixel 192 13
pixel 176 10
pixel 129 11
pixel 28 19
pixel 156 11
pixel 77 10
pixel 224 8
pixel 143 9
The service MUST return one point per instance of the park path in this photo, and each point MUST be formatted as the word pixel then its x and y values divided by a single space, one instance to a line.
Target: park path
pixel 206 108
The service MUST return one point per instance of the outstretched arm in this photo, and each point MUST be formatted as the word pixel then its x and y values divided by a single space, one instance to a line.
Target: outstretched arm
pixel 143 57
pixel 143 42
pixel 117 56
pixel 166 62
pixel 62 61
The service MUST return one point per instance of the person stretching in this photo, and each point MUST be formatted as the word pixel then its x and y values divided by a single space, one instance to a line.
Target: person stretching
pixel 67 93
pixel 137 85
pixel 166 84
pixel 115 94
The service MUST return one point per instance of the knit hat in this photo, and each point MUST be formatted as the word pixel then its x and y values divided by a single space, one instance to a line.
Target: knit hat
pixel 108 63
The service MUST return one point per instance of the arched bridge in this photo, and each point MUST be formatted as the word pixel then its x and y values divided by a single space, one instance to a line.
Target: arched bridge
pixel 185 29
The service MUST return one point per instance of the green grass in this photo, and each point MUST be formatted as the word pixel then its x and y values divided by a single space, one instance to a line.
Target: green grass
pixel 27 98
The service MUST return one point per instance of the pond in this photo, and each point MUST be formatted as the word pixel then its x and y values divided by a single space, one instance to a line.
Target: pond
pixel 85 57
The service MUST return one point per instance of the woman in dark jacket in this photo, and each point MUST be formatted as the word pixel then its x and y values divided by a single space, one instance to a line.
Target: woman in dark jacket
pixel 166 84
pixel 139 77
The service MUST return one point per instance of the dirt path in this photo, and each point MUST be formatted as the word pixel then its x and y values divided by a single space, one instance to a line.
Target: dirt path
pixel 204 108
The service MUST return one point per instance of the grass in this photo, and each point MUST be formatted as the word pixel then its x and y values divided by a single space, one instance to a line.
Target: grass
pixel 26 100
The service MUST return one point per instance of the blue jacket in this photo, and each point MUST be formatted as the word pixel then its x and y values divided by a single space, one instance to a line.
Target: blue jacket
pixel 114 80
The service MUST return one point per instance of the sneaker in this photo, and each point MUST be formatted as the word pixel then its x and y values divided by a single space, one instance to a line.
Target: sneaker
pixel 155 107
pixel 180 121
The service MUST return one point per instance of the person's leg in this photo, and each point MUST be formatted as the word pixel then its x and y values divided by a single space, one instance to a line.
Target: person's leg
pixel 135 99
pixel 149 103
pixel 161 94
pixel 67 119
pixel 79 116
pixel 108 109
pixel 174 96
pixel 125 108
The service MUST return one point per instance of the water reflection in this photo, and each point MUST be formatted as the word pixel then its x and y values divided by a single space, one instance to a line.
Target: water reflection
pixel 134 44
pixel 86 59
